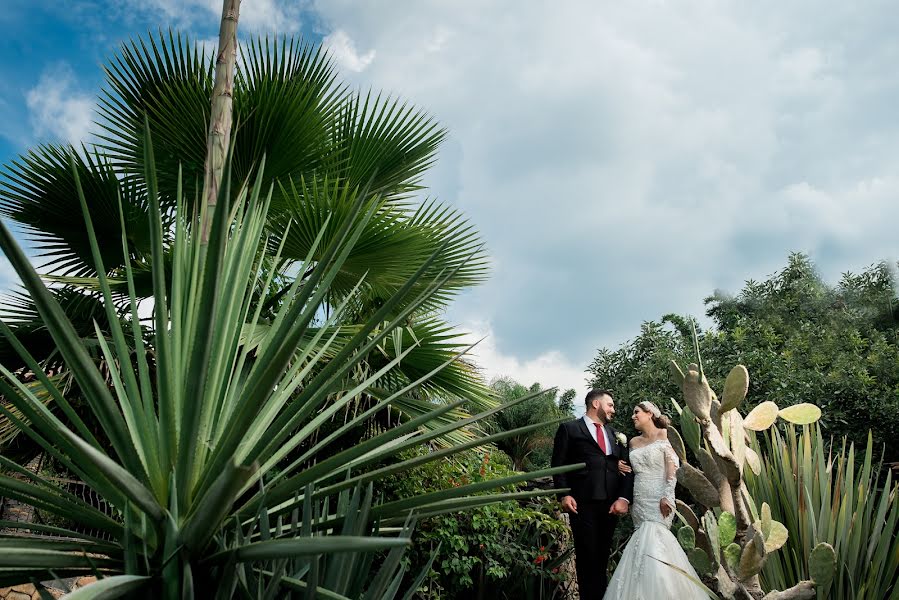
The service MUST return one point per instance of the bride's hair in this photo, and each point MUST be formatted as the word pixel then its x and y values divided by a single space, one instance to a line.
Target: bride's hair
pixel 658 419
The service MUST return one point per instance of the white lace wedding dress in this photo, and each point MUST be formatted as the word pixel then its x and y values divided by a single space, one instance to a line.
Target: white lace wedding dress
pixel 639 576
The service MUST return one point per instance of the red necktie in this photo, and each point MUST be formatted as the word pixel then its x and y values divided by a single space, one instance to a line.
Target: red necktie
pixel 600 438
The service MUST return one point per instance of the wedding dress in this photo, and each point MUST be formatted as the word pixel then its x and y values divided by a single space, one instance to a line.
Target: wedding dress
pixel 639 576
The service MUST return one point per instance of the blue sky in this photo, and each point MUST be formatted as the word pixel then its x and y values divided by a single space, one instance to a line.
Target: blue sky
pixel 621 159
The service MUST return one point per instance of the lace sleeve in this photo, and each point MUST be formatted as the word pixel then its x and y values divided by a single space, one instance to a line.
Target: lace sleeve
pixel 671 465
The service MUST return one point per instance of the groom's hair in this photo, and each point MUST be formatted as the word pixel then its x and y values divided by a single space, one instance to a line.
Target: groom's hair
pixel 594 394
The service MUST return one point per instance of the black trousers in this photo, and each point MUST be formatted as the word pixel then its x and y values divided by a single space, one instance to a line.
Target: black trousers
pixel 592 528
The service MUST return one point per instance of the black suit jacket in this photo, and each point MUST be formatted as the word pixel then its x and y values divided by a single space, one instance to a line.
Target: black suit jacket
pixel 600 480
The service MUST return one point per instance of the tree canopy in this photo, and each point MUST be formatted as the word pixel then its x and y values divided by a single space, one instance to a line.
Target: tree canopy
pixel 802 339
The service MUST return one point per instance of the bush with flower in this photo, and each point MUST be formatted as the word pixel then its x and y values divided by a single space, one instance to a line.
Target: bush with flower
pixel 505 550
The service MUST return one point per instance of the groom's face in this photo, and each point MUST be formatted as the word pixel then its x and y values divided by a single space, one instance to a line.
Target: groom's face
pixel 606 410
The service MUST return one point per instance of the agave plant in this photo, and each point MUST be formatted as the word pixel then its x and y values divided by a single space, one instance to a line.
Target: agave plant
pixel 821 493
pixel 207 445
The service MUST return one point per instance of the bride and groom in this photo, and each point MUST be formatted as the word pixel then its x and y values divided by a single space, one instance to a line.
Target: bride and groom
pixel 621 477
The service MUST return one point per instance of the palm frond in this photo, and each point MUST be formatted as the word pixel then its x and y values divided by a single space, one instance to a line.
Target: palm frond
pixel 38 191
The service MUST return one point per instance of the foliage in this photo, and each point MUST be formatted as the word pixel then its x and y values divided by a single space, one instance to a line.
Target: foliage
pixel 316 135
pixel 816 488
pixel 185 452
pixel 732 541
pixel 805 342
pixel 534 450
pixel 566 402
pixel 507 550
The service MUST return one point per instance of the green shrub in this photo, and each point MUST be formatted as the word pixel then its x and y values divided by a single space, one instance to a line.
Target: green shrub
pixel 506 550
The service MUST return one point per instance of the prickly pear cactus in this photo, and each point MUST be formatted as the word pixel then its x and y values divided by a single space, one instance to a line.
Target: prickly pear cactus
pixel 727 546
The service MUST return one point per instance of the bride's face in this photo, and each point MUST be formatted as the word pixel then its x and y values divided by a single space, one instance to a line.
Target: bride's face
pixel 640 418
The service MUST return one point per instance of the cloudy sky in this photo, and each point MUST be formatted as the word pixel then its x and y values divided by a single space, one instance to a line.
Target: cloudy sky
pixel 621 159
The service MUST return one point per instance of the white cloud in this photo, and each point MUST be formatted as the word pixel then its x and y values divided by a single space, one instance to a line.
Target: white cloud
pixel 256 16
pixel 57 108
pixel 343 49
pixel 625 159
pixel 549 369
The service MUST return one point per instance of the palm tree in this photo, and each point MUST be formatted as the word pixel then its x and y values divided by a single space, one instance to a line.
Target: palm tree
pixel 532 447
pixel 196 430
pixel 318 137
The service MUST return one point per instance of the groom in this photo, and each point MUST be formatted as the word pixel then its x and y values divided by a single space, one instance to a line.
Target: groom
pixel 599 493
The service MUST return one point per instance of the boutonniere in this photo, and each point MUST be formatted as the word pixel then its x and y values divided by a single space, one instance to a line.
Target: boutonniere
pixel 621 438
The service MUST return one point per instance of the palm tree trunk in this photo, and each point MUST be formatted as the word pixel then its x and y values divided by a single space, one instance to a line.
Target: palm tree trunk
pixel 222 108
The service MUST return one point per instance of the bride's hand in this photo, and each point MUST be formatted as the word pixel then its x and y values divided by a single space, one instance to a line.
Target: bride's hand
pixel 665 507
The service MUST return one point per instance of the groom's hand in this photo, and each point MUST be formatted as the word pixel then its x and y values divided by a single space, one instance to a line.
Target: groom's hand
pixel 619 507
pixel 569 505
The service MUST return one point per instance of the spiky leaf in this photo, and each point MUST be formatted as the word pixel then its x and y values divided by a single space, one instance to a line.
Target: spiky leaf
pixel 677 376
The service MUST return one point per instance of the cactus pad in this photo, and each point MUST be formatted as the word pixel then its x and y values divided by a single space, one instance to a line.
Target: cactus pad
pixel 687 514
pixel 690 428
pixel 737 436
pixel 687 538
pixel 697 393
pixel 700 487
pixel 735 387
pixel 801 414
pixel 765 520
pixel 710 524
pixel 727 528
pixel 753 460
pixel 752 559
pixel 732 556
pixel 761 417
pixel 822 564
pixel 777 537
pixel 677 443
pixel 709 466
pixel 700 561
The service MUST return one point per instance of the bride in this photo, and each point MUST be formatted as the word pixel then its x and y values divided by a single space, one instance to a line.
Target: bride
pixel 639 576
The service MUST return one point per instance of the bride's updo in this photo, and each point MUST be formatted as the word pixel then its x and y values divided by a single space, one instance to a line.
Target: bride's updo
pixel 658 419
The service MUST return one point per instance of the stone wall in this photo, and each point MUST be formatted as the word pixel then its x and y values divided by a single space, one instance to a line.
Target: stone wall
pixel 27 591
